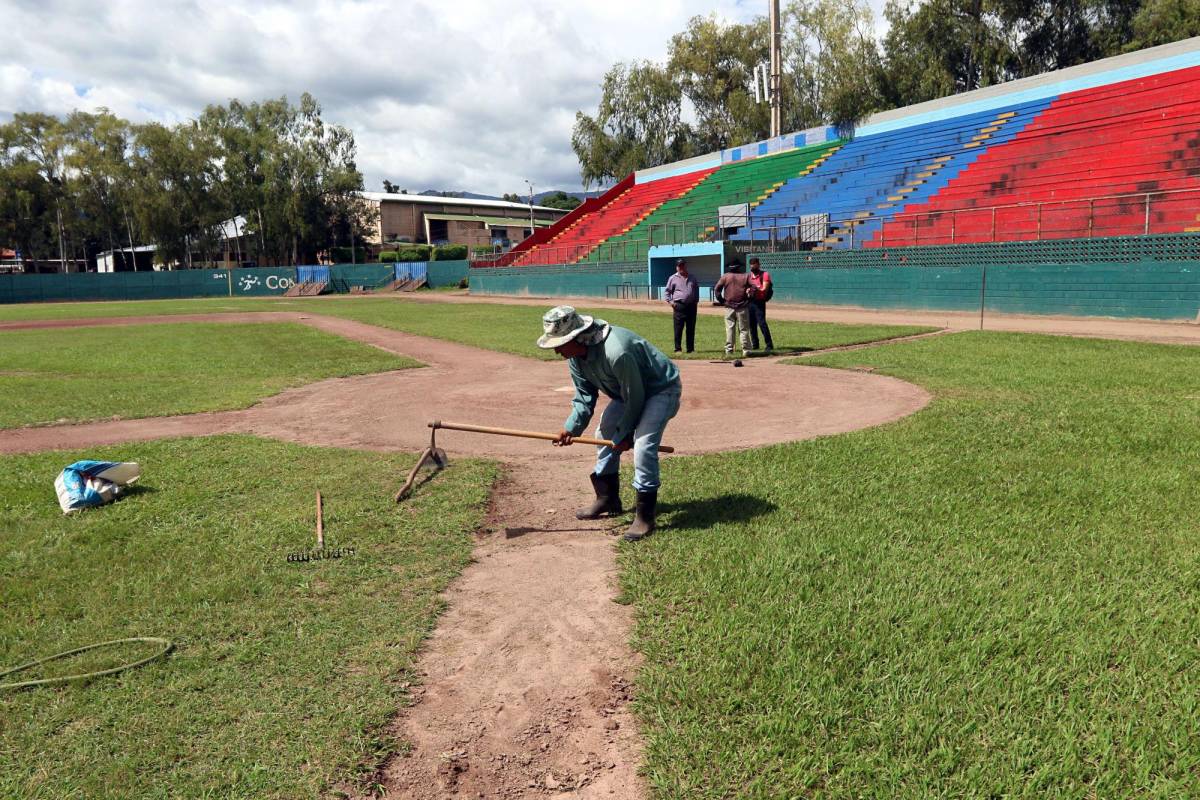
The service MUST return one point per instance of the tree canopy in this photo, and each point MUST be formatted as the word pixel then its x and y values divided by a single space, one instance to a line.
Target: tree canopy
pixel 560 199
pixel 90 182
pixel 837 70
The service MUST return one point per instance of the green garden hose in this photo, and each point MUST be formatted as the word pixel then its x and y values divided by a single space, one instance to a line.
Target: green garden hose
pixel 167 646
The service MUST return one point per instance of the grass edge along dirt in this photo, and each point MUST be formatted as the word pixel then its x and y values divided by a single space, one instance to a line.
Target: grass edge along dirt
pixel 58 375
pixel 284 677
pixel 995 597
pixel 503 327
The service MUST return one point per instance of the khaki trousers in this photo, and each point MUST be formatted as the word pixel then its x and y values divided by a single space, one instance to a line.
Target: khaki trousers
pixel 737 318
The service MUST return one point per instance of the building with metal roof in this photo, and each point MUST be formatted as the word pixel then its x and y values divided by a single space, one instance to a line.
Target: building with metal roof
pixel 429 219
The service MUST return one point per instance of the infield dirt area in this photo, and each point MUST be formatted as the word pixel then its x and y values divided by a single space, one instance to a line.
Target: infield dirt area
pixel 527 677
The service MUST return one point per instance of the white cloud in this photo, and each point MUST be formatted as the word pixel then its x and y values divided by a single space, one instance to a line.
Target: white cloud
pixel 472 95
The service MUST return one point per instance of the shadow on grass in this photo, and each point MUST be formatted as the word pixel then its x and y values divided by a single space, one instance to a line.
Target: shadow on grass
pixel 720 357
pixel 135 490
pixel 731 507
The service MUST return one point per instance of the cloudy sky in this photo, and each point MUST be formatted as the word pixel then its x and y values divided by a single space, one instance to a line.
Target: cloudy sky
pixel 472 94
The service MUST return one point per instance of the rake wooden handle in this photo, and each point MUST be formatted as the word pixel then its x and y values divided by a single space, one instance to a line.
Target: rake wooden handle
pixel 320 524
pixel 458 426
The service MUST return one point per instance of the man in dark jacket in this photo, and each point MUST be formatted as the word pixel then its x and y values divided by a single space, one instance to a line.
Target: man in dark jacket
pixel 683 293
pixel 734 291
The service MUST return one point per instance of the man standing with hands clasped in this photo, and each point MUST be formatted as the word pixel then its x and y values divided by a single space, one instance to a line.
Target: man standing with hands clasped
pixel 683 293
pixel 760 281
pixel 644 391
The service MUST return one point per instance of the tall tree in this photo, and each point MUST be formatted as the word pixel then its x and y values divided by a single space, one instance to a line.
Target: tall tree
pixel 27 203
pixel 100 179
pixel 291 175
pixel 176 205
pixel 943 47
pixel 832 63
pixel 1164 21
pixel 637 125
pixel 35 150
pixel 712 63
pixel 1055 34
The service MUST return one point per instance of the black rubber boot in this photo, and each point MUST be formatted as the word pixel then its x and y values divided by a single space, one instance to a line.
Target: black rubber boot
pixel 608 497
pixel 643 516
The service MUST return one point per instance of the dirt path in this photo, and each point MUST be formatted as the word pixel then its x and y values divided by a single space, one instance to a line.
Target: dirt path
pixel 527 677
pixel 1139 330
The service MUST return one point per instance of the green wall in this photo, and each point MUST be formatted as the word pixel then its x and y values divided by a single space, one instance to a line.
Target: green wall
pixel 589 280
pixel 259 282
pixel 447 273
pixel 1147 277
pixel 343 276
pixel 118 286
pixel 1152 277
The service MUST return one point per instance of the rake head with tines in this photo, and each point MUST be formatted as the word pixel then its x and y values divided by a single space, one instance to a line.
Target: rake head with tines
pixel 321 553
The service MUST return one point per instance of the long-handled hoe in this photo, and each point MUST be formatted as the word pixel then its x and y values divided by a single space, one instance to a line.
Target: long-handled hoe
pixel 433 456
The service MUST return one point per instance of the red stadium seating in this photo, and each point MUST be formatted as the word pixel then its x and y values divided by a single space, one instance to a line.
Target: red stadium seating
pixel 576 240
pixel 1121 159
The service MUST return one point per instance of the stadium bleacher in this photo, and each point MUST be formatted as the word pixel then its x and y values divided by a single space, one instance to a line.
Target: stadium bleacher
pixel 874 177
pixel 1119 157
pixel 577 240
pixel 753 181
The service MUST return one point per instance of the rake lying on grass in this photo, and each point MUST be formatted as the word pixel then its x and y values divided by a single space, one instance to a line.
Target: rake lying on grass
pixel 320 553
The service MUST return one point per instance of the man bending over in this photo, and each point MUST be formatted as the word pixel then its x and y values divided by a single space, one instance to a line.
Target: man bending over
pixel 644 390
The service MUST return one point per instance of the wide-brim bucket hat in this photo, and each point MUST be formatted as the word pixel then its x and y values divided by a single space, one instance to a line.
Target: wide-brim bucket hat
pixel 563 324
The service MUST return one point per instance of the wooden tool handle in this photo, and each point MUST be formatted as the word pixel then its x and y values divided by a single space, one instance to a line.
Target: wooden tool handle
pixel 320 524
pixel 458 426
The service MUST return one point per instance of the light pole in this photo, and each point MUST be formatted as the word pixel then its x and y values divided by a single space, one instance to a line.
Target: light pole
pixel 530 185
pixel 775 91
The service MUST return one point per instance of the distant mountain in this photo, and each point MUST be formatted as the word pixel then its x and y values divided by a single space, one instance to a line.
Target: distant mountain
pixel 538 197
pixel 461 195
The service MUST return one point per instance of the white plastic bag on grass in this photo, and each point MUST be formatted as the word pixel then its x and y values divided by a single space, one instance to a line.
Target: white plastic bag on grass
pixel 87 484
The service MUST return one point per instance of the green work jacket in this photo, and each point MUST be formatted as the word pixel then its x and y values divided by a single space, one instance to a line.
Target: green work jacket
pixel 625 367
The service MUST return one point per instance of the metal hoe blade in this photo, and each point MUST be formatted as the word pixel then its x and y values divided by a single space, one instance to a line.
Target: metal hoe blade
pixel 432 458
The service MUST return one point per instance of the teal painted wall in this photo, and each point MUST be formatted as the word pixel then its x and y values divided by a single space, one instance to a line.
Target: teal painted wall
pixel 557 281
pixel 260 282
pixel 447 273
pixel 914 288
pixel 115 286
pixel 1149 290
pixel 1152 277
pixel 255 282
pixel 343 276
pixel 1153 290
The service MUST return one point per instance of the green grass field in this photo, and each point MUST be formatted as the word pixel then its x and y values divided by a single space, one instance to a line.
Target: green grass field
pixel 493 326
pixel 58 375
pixel 996 597
pixel 16 312
pixel 515 329
pixel 285 675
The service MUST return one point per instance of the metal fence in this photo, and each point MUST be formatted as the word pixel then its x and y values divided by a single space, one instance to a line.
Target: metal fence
pixel 1139 214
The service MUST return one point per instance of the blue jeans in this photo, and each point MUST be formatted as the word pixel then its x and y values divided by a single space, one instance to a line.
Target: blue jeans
pixel 646 437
